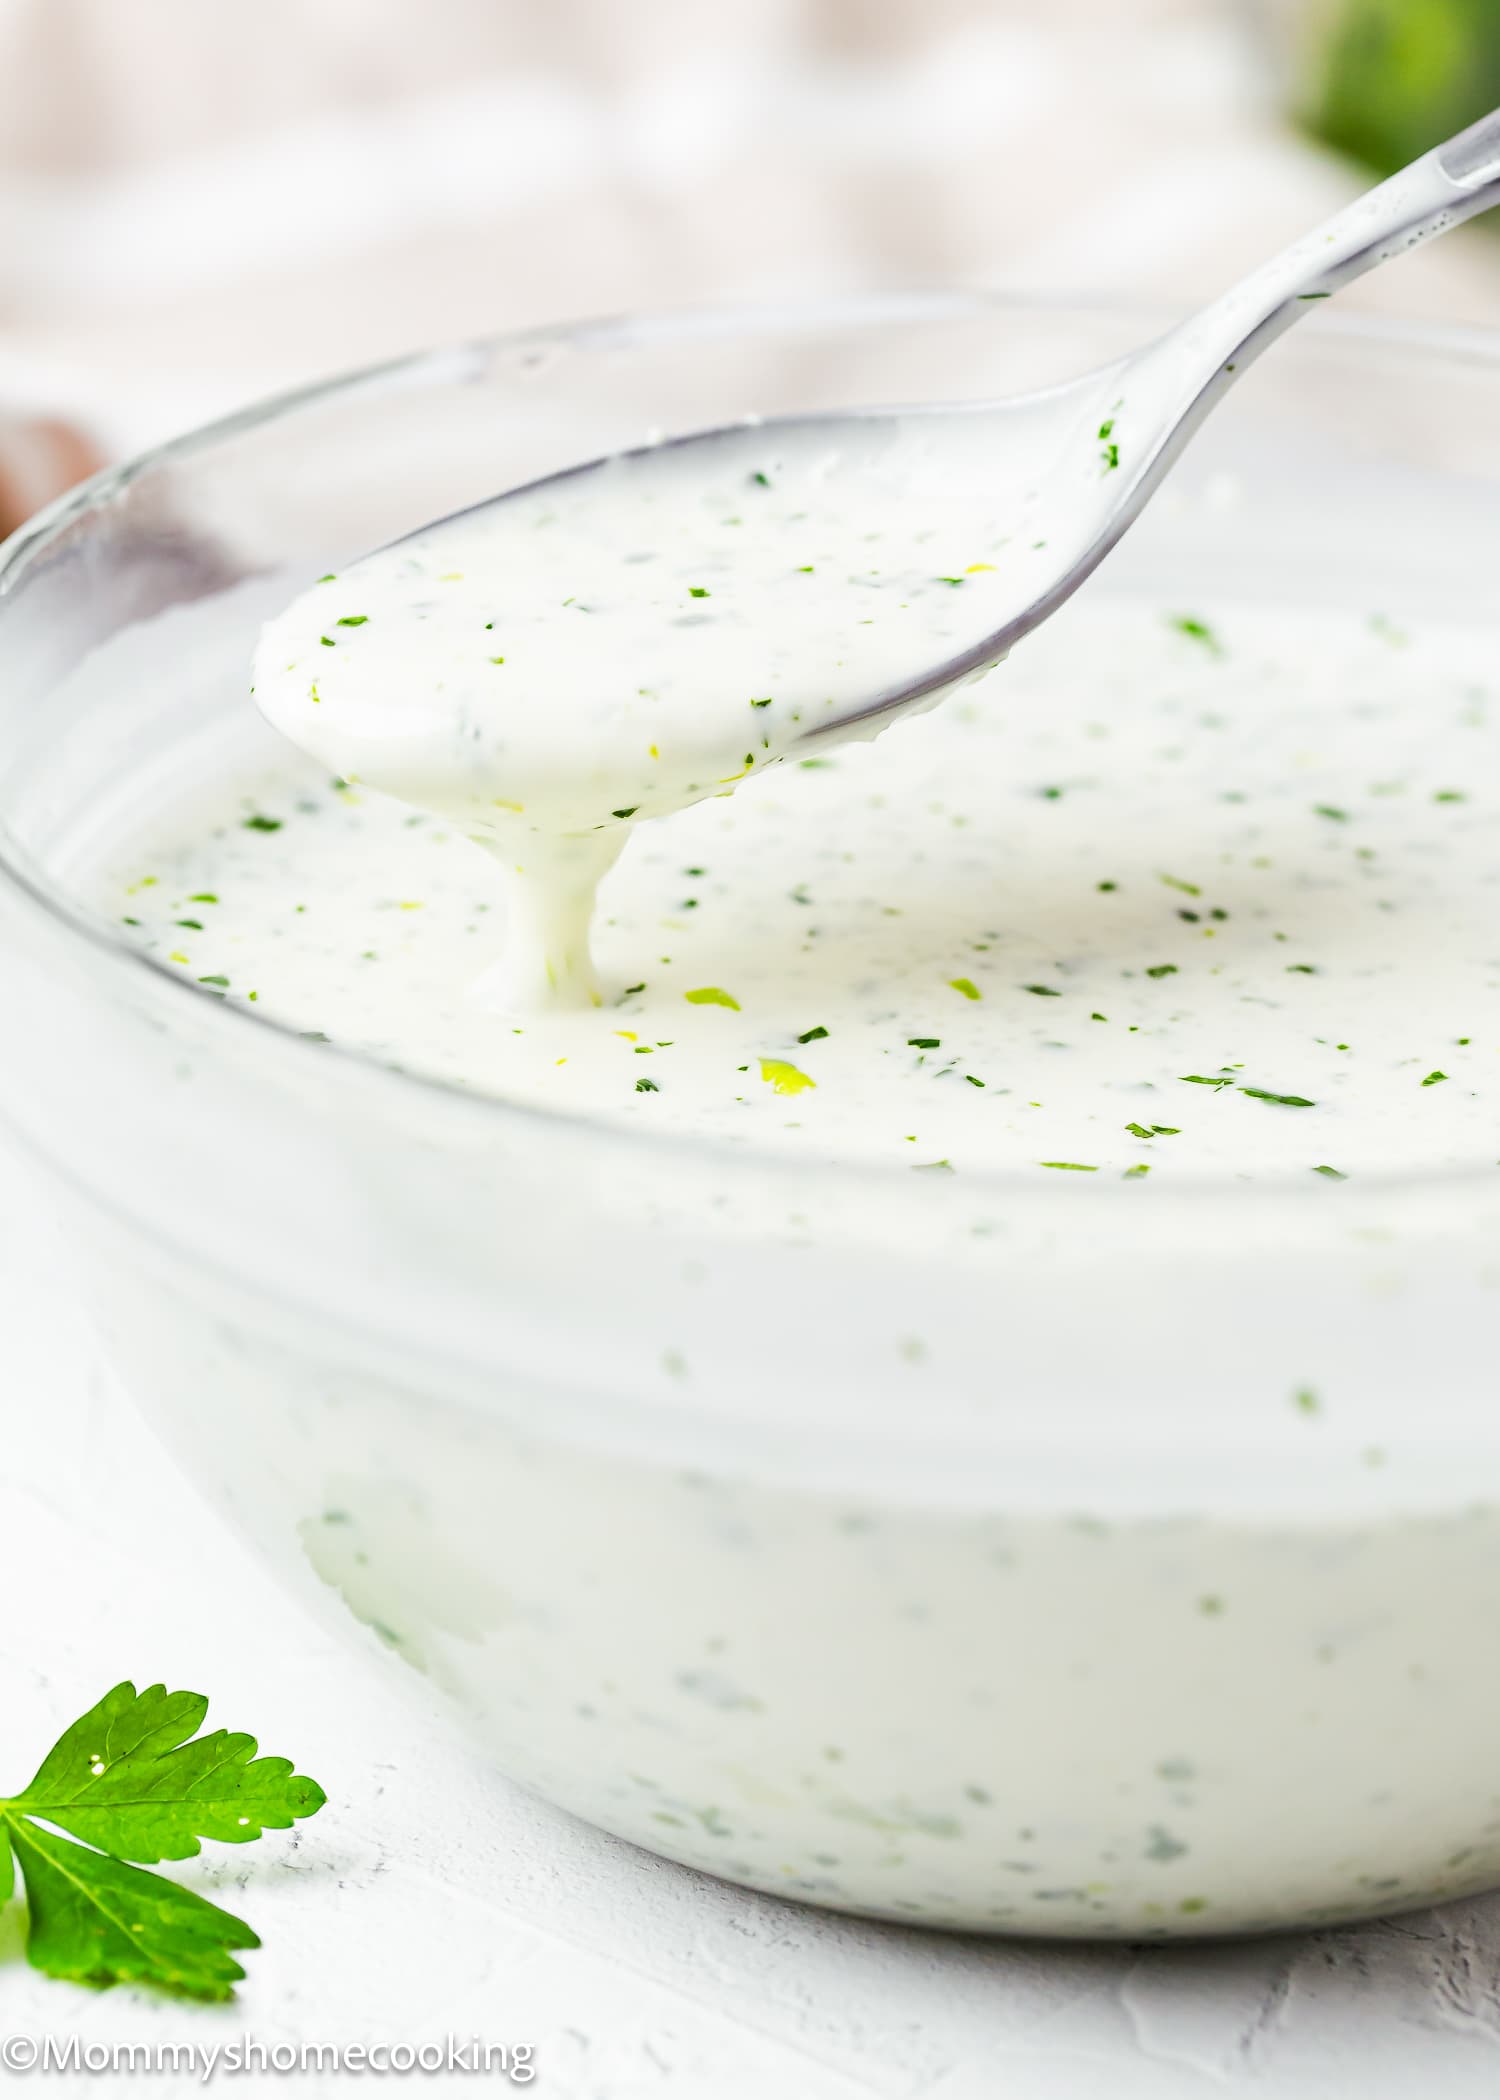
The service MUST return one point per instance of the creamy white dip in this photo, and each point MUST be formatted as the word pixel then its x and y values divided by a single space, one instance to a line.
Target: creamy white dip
pixel 1188 892
pixel 1176 893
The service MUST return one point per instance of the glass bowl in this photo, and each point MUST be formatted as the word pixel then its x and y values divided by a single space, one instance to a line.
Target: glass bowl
pixel 1078 1560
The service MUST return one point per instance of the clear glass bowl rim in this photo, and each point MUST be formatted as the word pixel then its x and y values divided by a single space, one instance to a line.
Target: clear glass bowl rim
pixel 1354 332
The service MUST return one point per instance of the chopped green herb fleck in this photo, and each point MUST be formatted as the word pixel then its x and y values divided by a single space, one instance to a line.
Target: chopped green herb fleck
pixel 353 620
pixel 812 1035
pixel 1330 1173
pixel 622 813
pixel 1162 970
pixel 696 590
pixel 1259 1093
pixel 260 823
pixel 924 1042
pixel 647 1086
pixel 1306 1401
pixel 712 995
pixel 1434 1078
pixel 966 986
pixel 784 1078
pixel 1068 1166
pixel 1042 991
pixel 1197 631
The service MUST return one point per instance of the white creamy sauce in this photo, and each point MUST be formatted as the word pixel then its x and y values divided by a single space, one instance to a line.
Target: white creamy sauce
pixel 1186 891
pixel 1176 893
pixel 549 670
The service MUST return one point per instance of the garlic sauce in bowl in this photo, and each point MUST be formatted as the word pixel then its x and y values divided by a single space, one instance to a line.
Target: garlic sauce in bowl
pixel 960 1389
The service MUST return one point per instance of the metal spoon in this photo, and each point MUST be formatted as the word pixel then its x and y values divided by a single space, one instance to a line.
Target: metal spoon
pixel 1083 458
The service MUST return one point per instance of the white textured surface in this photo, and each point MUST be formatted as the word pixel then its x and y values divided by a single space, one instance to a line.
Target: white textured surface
pixel 430 1898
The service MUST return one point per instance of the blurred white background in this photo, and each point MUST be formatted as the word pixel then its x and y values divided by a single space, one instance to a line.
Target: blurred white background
pixel 201 201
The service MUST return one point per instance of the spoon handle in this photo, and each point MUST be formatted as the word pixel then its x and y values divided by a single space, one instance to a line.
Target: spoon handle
pixel 1453 182
pixel 1473 158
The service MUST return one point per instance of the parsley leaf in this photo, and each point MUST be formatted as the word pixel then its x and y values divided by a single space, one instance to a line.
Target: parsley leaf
pixel 133 1782
pixel 95 1921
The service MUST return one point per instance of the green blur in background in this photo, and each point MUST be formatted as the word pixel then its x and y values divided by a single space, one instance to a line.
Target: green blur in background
pixel 1385 79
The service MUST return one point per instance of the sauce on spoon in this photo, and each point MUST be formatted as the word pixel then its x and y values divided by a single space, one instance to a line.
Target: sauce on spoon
pixel 551 669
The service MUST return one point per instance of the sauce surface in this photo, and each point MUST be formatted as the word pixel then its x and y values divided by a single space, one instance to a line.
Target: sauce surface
pixel 1176 893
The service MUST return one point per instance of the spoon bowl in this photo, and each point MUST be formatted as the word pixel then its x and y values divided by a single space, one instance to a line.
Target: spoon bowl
pixel 1074 465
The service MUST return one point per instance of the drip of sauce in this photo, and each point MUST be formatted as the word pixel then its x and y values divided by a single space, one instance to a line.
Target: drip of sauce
pixel 550 670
